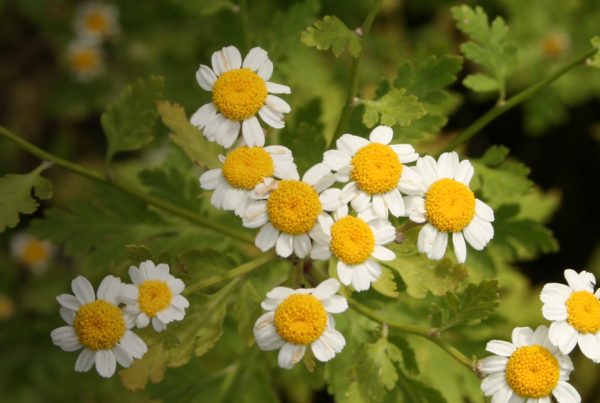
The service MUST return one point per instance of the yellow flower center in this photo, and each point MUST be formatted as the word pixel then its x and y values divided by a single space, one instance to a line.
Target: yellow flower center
pixel 239 94
pixel 293 207
pixel 352 240
pixel 532 371
pixel 584 312
pixel 450 205
pixel 84 60
pixel 34 252
pixel 154 296
pixel 99 325
pixel 376 168
pixel 554 45
pixel 96 21
pixel 300 319
pixel 246 167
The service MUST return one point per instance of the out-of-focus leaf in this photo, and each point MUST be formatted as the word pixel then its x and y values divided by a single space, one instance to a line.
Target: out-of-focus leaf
pixel 331 32
pixel 385 284
pixel 411 390
pixel 151 367
pixel 18 194
pixel 129 121
pixel 409 360
pixel 171 185
pixel 245 311
pixel 395 107
pixel 480 82
pixel 595 60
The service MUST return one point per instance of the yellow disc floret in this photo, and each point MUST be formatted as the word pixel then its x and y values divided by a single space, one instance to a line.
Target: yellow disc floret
pixel 99 325
pixel 583 310
pixel 34 252
pixel 293 207
pixel 239 94
pixel 532 371
pixel 300 319
pixel 84 60
pixel 450 205
pixel 96 21
pixel 154 296
pixel 376 168
pixel 352 240
pixel 246 167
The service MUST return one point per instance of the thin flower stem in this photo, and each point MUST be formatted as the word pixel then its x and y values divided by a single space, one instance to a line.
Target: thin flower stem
pixel 353 80
pixel 240 270
pixel 126 188
pixel 417 331
pixel 298 274
pixel 515 100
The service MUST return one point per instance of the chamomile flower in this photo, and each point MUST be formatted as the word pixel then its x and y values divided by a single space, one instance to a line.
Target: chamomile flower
pixel 441 198
pixel 33 253
pixel 243 169
pixel 299 318
pixel 98 326
pixel 154 296
pixel 375 170
pixel 357 244
pixel 85 59
pixel 96 21
pixel 574 310
pixel 240 90
pixel 291 211
pixel 530 369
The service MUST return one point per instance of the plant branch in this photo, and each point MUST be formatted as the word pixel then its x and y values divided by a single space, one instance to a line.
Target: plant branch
pixel 515 100
pixel 126 188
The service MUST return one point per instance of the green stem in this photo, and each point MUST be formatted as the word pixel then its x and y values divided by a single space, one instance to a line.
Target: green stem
pixel 415 330
pixel 298 274
pixel 353 80
pixel 233 273
pixel 126 188
pixel 515 100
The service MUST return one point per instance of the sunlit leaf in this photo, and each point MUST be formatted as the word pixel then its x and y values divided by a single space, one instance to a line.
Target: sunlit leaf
pixel 480 82
pixel 595 60
pixel 331 32
pixel 395 107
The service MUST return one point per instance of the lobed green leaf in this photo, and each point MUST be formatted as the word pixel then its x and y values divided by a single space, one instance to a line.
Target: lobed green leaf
pixel 331 32
pixel 395 107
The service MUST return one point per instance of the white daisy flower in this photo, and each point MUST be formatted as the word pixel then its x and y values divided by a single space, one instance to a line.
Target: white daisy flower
pixel 357 244
pixel 33 253
pixel 291 211
pixel 530 369
pixel 240 90
pixel 441 197
pixel 155 296
pixel 98 326
pixel 574 310
pixel 243 169
pixel 96 21
pixel 85 59
pixel 375 170
pixel 298 318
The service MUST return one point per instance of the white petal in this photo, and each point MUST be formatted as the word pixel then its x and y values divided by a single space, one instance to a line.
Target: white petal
pixel 67 315
pixel 484 211
pixel 176 285
pixel 493 364
pixel 447 165
pixel 379 206
pixel 335 304
pixel 255 58
pixel 427 168
pixel 142 320
pixel 350 144
pixel 209 180
pixel 320 252
pixel 122 357
pixel 274 88
pixel 129 293
pixel 577 282
pixel 315 173
pixel 290 355
pixel 278 104
pixel 232 57
pixel 109 289
pixel 438 247
pixel 326 289
pixel 211 130
pixel 331 199
pixel 266 334
pixel 460 248
pixel 563 335
pixel 253 133
pixel 266 237
pixel 493 383
pixel 384 234
pixel 360 202
pixel 228 132
pixel 326 346
pixel 344 273
pixel 68 301
pixel 105 363
pixel 381 134
pixel 589 344
pixel 206 77
pixel 85 361
pixel 464 172
pixel 158 325
pixel 565 393
pixel 500 347
pixel 271 117
pixel 301 245
pixel 336 159
pixel 384 254
pixel 360 278
pixel 204 115
pixel 83 290
pixel 555 294
pixel 218 63
pixel 522 336
pixel 555 312
pixel 394 203
pixel 283 245
pixel 266 70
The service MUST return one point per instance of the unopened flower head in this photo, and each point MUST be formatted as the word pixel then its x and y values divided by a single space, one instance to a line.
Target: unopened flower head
pixel 240 91
pixel 357 245
pixel 31 252
pixel 85 59
pixel 300 318
pixel 530 369
pixel 441 198
pixel 96 21
pixel 98 326
pixel 375 170
pixel 154 296
pixel 243 169
pixel 574 310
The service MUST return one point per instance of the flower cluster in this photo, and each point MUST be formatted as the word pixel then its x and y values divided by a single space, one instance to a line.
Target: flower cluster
pixel 100 325
pixel 93 23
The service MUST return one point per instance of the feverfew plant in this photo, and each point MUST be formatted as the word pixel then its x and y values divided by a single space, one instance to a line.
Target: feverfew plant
pixel 289 239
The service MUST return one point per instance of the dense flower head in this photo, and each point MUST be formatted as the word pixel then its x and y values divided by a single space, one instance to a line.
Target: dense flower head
pixel 33 253
pixel 96 21
pixel 85 59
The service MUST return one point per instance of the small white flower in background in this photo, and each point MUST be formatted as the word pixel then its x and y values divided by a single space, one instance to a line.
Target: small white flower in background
pixel 357 244
pixel 530 369
pixel 243 169
pixel 291 211
pixel 299 318
pixel 96 21
pixel 98 326
pixel 154 296
pixel 441 198
pixel 574 310
pixel 375 170
pixel 240 90
pixel 33 253
pixel 85 59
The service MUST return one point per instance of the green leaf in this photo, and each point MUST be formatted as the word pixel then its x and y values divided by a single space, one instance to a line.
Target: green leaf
pixel 385 284
pixel 481 82
pixel 409 359
pixel 138 253
pixel 245 311
pixel 595 59
pixel 19 194
pixel 151 367
pixel 411 390
pixel 191 140
pixel 471 306
pixel 395 107
pixel 171 185
pixel 129 121
pixel 331 32
pixel 376 369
